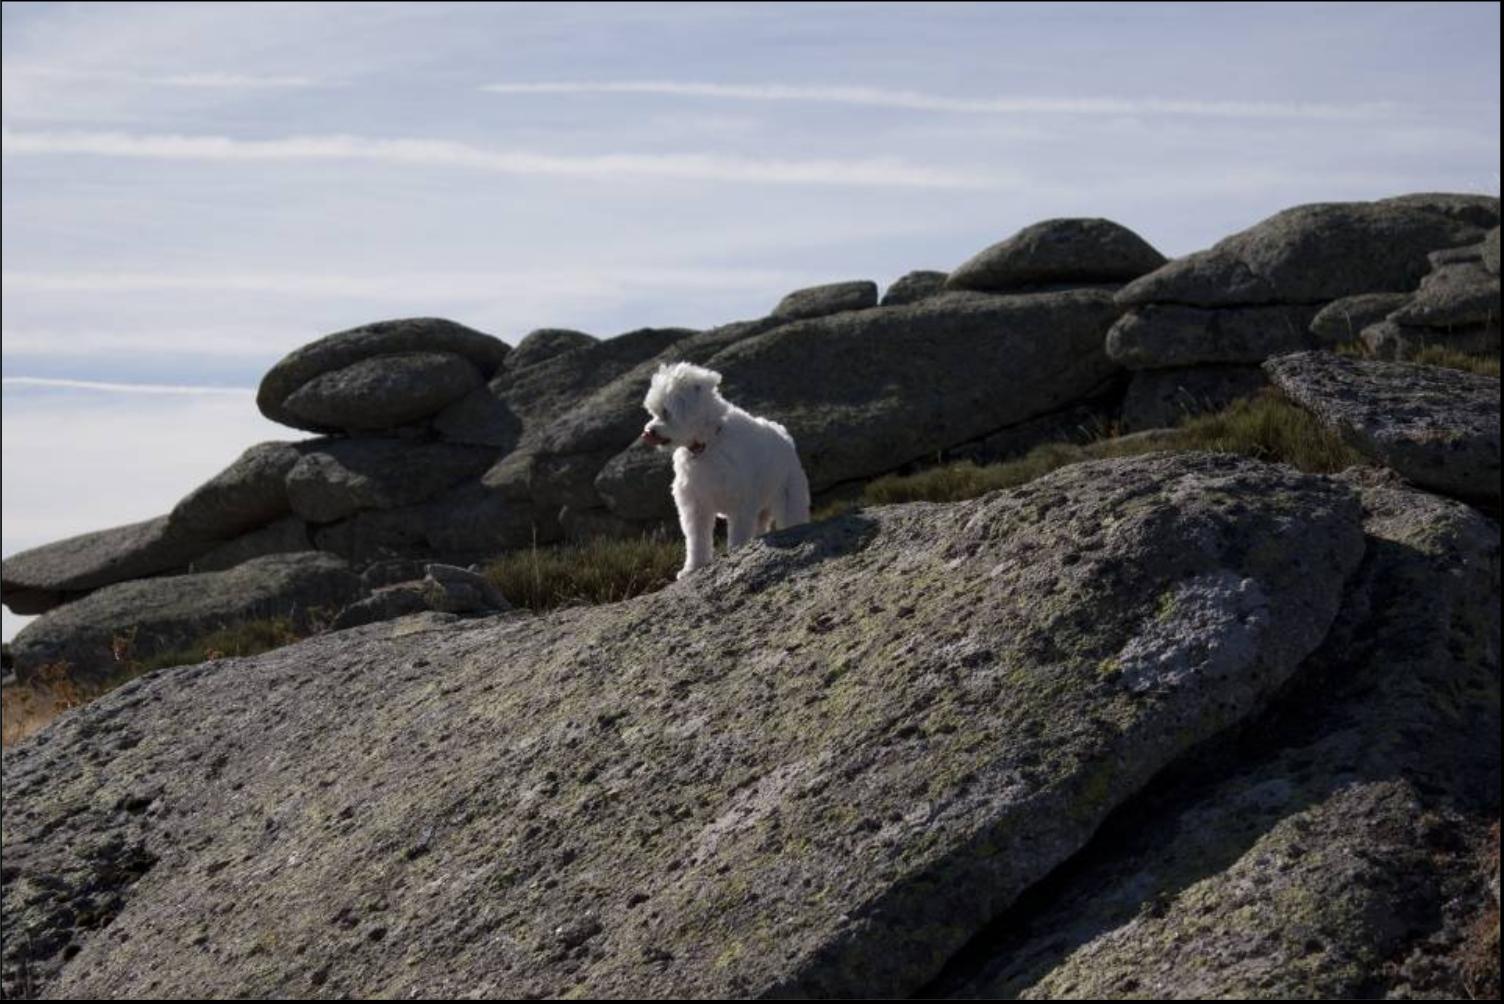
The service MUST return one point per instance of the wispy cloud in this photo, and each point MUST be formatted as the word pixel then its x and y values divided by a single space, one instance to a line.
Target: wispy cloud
pixel 212 81
pixel 878 171
pixel 53 383
pixel 915 100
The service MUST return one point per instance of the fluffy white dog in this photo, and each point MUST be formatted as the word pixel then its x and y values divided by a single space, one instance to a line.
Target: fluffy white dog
pixel 726 462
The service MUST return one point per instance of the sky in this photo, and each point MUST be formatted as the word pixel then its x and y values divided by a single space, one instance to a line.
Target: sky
pixel 190 191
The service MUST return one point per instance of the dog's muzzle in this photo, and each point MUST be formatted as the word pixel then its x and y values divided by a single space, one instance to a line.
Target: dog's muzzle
pixel 653 439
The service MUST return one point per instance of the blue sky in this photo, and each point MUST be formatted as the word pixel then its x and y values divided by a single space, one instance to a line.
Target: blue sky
pixel 192 190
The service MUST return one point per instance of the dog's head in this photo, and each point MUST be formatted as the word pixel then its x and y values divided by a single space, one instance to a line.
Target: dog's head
pixel 685 404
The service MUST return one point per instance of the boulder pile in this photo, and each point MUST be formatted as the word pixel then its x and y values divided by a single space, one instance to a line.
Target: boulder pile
pixel 439 444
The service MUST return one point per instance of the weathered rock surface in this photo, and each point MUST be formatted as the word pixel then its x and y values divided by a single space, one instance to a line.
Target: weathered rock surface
pixel 383 392
pixel 337 478
pixel 815 768
pixel 1341 321
pixel 1453 295
pixel 1490 256
pixel 913 287
pixel 817 301
pixel 1158 399
pixel 1160 335
pixel 360 347
pixel 39 579
pixel 1324 854
pixel 1437 427
pixel 545 343
pixel 1058 251
pixel 1320 252
pixel 167 612
pixel 248 494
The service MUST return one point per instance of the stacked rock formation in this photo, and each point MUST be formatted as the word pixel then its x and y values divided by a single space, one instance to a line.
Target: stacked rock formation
pixel 1195 330
pixel 438 444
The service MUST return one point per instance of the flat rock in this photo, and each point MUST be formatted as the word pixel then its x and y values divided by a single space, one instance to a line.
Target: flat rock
pixel 43 577
pixel 1160 335
pixel 384 338
pixel 1163 398
pixel 1320 252
pixel 170 611
pixel 337 478
pixel 1342 321
pixel 1058 251
pixel 1330 847
pixel 817 301
pixel 912 287
pixel 1437 427
pixel 248 494
pixel 1390 340
pixel 816 768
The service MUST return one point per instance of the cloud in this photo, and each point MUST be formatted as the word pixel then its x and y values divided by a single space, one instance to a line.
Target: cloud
pixel 877 171
pixel 63 384
pixel 209 81
pixel 918 101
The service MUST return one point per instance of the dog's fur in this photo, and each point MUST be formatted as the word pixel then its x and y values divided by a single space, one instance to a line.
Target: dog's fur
pixel 726 462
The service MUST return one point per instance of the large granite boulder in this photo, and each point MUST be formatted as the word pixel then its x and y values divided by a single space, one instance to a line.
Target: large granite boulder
pixel 1329 852
pixel 378 376
pixel 912 287
pixel 1342 321
pixel 337 478
pixel 1062 251
pixel 545 343
pixel 1320 252
pixel 1164 335
pixel 1437 427
pixel 816 768
pixel 167 612
pixel 848 389
pixel 817 301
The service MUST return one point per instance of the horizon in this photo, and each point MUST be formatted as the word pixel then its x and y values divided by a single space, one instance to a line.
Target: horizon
pixel 193 190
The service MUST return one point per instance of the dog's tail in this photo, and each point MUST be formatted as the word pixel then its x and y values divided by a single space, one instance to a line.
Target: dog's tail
pixel 794 508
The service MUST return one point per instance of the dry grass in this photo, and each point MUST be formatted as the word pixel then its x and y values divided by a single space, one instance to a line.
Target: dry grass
pixel 1267 427
pixel 27 707
pixel 1435 355
pixel 600 571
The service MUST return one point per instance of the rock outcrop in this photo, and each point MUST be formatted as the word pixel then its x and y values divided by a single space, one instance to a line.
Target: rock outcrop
pixel 1069 251
pixel 816 768
pixel 1323 853
pixel 163 613
pixel 818 301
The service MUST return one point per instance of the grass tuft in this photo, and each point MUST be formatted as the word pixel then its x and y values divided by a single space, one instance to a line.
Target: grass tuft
pixel 599 571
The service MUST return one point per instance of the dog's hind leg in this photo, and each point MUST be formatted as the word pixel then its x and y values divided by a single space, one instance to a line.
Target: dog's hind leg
pixel 793 506
pixel 764 521
pixel 741 525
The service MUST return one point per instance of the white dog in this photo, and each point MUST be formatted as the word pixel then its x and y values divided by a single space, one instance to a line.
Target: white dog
pixel 726 462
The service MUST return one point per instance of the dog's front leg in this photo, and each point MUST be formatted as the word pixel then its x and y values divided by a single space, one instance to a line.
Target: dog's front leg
pixel 698 524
